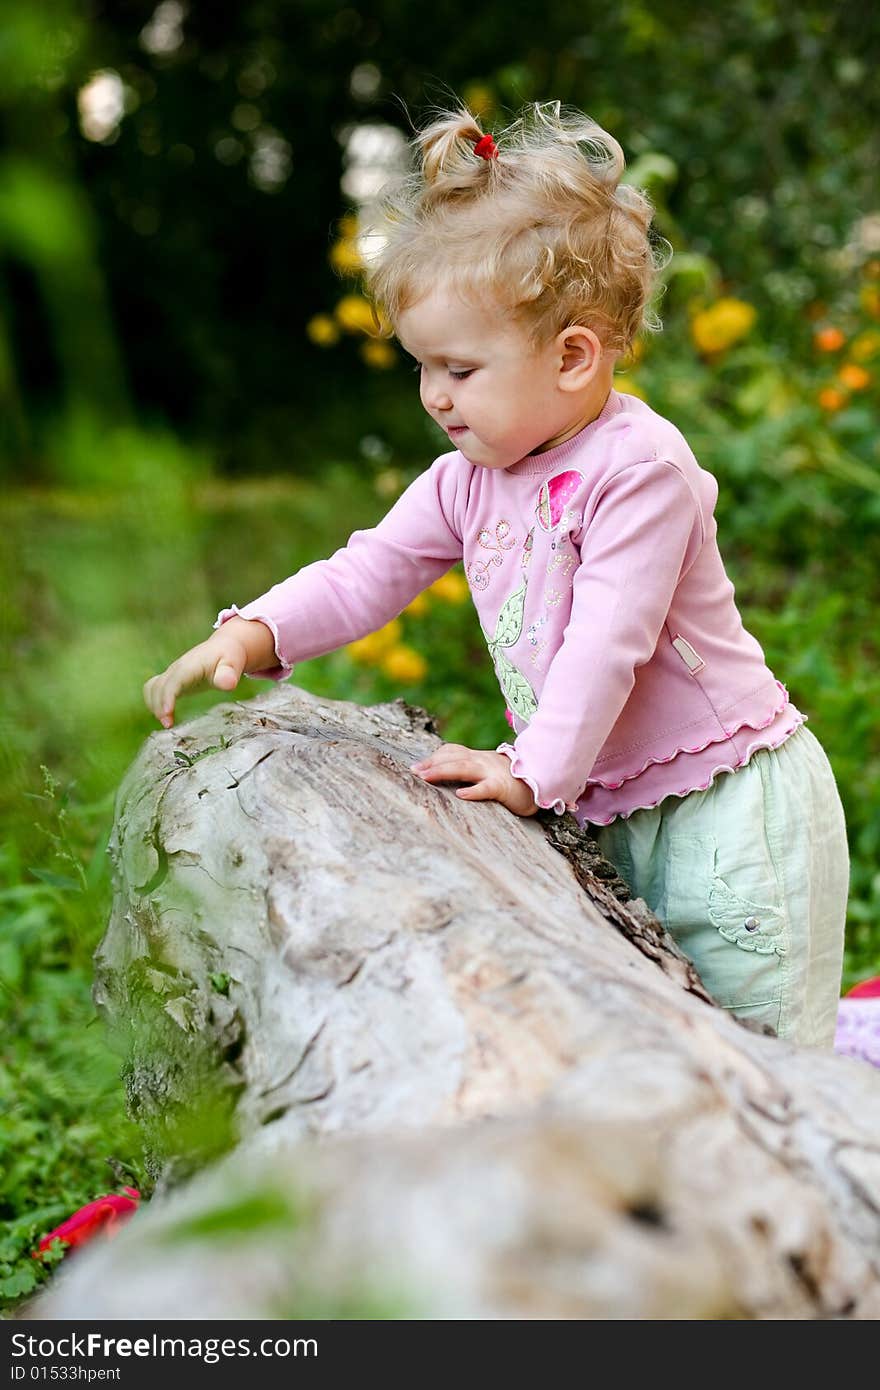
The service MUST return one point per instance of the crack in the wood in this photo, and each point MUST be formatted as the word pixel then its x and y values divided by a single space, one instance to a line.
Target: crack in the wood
pixel 801 1169
pixel 853 1182
pixel 310 1100
pixel 237 781
pixel 354 974
pixel 227 887
pixel 267 1090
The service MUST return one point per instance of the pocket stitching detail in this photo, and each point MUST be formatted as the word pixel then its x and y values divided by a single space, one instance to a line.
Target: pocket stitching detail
pixel 724 904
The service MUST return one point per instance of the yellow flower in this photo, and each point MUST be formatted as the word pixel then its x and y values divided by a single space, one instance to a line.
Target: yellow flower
pixel 370 650
pixel 865 346
pixel 450 588
pixel 855 378
pixel 633 357
pixel 722 324
pixel 378 353
pixel 354 314
pixel 629 387
pixel 322 330
pixel 418 607
pixel 389 483
pixel 348 225
pixel 404 664
pixel 345 256
pixel 478 98
pixel 831 399
pixel 869 298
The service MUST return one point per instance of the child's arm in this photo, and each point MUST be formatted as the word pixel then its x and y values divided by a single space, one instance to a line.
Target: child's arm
pixel 332 602
pixel 644 534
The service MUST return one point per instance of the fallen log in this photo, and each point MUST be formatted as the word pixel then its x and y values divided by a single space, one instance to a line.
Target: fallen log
pixel 459 1067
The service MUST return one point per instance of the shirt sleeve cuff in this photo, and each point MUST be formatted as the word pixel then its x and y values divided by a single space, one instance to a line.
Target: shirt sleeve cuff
pixel 274 673
pixel 559 806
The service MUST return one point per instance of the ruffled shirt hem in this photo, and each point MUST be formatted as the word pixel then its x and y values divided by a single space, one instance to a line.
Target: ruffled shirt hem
pixel 650 761
pixel 274 673
pixel 559 806
pixel 697 770
pixel 682 771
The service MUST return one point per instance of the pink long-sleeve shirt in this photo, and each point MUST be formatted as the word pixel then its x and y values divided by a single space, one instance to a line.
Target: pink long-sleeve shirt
pixel 596 575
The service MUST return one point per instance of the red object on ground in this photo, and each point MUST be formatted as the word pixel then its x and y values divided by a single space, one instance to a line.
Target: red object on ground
pixel 106 1213
pixel 868 989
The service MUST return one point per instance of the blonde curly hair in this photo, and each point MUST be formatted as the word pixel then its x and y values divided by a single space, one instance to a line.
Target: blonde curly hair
pixel 546 229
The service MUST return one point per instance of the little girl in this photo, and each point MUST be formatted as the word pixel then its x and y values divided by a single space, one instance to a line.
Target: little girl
pixel 516 274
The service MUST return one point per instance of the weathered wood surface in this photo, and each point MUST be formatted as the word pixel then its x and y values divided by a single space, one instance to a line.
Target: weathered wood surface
pixel 474 1076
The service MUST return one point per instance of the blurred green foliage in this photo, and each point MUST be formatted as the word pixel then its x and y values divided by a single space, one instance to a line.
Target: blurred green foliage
pixel 178 439
pixel 194 217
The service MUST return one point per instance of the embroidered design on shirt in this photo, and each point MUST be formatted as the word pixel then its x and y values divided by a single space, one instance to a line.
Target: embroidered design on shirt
pixel 527 550
pixel 539 644
pixel 515 688
pixel 554 494
pixel 563 562
pixel 478 571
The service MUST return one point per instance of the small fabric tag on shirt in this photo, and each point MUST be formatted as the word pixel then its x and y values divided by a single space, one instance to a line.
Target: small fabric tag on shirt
pixel 691 659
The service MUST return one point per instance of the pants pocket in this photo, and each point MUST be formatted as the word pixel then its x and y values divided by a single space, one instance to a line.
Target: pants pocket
pixel 732 924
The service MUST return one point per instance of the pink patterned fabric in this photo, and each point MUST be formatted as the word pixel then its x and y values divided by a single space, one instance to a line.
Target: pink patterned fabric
pixel 610 619
pixel 858 1028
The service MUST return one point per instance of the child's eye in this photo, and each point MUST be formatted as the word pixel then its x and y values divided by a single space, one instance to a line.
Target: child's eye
pixel 460 376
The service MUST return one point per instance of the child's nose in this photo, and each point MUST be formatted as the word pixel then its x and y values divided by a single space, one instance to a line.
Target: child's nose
pixel 436 397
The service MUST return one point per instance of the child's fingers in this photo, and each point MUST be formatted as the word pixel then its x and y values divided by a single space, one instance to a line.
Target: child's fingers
pixel 154 697
pixel 448 755
pixel 164 707
pixel 226 676
pixel 459 767
pixel 486 790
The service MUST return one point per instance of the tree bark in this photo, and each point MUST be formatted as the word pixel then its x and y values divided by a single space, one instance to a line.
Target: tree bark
pixel 462 1070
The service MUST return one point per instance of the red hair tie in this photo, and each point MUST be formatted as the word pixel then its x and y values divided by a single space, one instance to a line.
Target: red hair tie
pixel 486 148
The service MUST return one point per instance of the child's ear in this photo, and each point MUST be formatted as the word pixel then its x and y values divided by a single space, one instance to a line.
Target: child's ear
pixel 580 353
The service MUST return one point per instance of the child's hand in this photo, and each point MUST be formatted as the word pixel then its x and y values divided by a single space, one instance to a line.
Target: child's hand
pixel 488 771
pixel 218 662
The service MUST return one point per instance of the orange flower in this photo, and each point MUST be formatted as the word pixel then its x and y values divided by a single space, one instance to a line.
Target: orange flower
pixel 829 339
pixel 855 378
pixel 831 399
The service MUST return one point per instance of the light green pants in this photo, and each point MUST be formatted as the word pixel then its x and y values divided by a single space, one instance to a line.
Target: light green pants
pixel 751 878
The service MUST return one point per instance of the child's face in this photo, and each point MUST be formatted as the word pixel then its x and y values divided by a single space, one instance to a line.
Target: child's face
pixel 481 380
